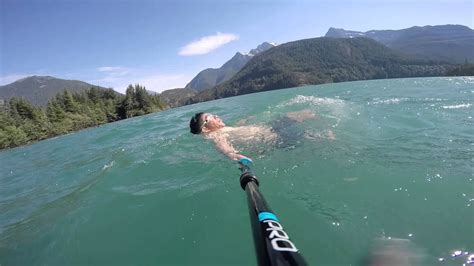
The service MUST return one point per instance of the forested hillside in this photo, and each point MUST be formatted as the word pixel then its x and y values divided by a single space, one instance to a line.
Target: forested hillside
pixel 38 90
pixel 21 122
pixel 322 60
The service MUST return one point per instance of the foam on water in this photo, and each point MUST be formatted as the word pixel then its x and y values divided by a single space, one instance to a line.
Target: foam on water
pixel 109 165
pixel 388 101
pixel 313 100
pixel 466 105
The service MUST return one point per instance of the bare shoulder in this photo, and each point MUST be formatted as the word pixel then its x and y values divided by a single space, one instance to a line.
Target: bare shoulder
pixel 218 135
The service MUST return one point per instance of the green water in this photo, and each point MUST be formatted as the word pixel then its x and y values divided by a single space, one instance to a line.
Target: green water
pixel 146 192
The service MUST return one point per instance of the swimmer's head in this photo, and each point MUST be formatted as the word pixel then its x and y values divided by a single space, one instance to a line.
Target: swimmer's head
pixel 197 123
pixel 205 122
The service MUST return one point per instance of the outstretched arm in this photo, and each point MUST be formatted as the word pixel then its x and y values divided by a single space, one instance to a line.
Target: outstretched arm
pixel 223 146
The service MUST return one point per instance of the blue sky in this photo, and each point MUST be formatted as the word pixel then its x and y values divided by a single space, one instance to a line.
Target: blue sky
pixel 164 44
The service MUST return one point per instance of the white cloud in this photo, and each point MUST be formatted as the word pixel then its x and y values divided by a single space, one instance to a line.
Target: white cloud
pixel 116 77
pixel 12 77
pixel 106 69
pixel 114 70
pixel 160 83
pixel 5 80
pixel 152 80
pixel 207 44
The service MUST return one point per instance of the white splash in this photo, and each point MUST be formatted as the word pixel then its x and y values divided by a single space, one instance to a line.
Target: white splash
pixel 470 259
pixel 109 165
pixel 389 101
pixel 466 105
pixel 299 99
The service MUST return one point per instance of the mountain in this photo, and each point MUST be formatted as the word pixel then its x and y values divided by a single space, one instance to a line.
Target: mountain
pixel 322 60
pixel 451 43
pixel 261 48
pixel 176 97
pixel 211 77
pixel 39 89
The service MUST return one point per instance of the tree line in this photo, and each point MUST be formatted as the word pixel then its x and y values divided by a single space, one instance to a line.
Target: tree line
pixel 322 60
pixel 21 122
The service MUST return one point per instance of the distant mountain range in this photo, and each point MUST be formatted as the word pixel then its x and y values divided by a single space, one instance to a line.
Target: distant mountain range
pixel 39 89
pixel 340 56
pixel 451 43
pixel 211 77
pixel 322 60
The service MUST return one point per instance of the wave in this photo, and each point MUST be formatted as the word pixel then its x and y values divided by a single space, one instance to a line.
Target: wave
pixel 37 218
pixel 396 100
pixel 148 188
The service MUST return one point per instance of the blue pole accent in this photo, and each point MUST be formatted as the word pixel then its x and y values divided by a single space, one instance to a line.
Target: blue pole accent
pixel 267 216
pixel 246 162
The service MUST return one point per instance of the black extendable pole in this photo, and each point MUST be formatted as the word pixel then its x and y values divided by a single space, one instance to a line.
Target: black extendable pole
pixel 272 243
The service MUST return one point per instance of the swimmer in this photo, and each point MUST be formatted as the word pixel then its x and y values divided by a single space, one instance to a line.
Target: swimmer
pixel 212 127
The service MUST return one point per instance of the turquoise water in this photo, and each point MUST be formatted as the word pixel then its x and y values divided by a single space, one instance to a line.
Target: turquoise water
pixel 145 191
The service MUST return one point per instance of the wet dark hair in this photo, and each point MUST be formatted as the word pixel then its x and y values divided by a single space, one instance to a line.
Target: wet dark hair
pixel 196 123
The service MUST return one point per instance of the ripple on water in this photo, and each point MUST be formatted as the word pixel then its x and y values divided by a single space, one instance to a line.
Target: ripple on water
pixel 187 186
pixel 415 130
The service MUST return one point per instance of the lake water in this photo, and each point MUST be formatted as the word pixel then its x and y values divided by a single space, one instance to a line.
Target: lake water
pixel 144 191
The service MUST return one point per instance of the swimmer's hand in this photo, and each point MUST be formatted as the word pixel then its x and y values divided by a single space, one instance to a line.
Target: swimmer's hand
pixel 238 157
pixel 247 162
pixel 244 164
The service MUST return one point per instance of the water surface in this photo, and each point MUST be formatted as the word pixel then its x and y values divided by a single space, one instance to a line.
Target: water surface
pixel 146 191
